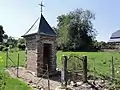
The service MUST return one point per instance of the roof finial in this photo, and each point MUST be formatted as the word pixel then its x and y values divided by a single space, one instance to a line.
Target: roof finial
pixel 41 6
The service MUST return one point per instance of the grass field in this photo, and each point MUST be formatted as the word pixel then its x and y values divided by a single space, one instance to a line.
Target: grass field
pixel 101 60
pixel 11 83
pixel 14 57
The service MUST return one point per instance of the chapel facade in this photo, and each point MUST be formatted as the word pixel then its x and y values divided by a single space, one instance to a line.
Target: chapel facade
pixel 41 47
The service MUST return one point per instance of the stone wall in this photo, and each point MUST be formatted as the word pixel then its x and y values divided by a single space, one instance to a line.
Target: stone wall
pixel 112 47
pixel 35 46
pixel 46 40
pixel 39 56
pixel 32 60
pixel 31 53
pixel 110 50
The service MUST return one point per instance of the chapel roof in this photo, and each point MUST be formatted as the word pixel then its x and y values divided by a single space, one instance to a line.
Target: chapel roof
pixel 40 26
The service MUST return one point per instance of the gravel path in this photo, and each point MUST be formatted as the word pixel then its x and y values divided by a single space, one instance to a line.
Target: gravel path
pixel 36 82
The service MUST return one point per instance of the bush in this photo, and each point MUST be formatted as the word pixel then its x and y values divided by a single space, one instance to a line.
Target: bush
pixel 74 63
pixel 10 46
pixel 21 46
pixel 5 49
pixel 1 47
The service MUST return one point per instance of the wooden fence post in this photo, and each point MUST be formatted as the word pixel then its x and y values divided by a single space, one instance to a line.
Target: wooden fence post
pixel 26 57
pixel 64 72
pixel 112 69
pixel 84 69
pixel 48 77
pixel 7 58
pixel 18 66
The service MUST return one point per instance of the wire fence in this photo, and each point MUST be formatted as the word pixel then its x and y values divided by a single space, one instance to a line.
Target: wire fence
pixel 107 69
pixel 13 62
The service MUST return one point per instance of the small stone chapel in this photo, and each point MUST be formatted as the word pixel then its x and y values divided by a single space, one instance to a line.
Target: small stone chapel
pixel 41 50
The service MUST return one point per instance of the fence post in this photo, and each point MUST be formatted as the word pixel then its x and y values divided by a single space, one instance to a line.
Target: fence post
pixel 94 67
pixel 7 58
pixel 84 69
pixel 26 57
pixel 18 66
pixel 64 72
pixel 112 69
pixel 48 77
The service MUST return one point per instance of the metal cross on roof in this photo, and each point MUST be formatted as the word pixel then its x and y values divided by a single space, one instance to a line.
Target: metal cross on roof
pixel 41 6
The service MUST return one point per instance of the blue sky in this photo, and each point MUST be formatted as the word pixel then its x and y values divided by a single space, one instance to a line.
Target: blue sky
pixel 17 16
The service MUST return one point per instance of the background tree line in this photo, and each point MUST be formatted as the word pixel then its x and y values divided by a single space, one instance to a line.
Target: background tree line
pixel 13 43
pixel 75 33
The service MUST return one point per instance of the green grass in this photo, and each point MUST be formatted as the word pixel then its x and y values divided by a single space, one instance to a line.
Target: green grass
pixel 101 59
pixel 12 83
pixel 14 57
pixel 15 84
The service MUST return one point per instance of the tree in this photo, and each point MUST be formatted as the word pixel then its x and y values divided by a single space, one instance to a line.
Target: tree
pixel 99 45
pixel 12 42
pixel 1 33
pixel 75 30
pixel 21 40
pixel 62 30
pixel 21 44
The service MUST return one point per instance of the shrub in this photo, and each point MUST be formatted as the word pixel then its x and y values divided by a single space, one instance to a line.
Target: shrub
pixel 1 47
pixel 5 49
pixel 74 63
pixel 21 46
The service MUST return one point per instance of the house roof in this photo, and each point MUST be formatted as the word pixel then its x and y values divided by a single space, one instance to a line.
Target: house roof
pixel 116 40
pixel 115 34
pixel 40 26
pixel 115 37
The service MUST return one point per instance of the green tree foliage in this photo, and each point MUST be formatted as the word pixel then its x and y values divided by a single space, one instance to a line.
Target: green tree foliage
pixel 1 47
pixel 12 42
pixel 21 44
pixel 75 30
pixel 21 40
pixel 1 33
pixel 100 45
pixel 62 30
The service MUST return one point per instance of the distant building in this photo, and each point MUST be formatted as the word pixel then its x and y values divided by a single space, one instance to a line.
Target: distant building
pixel 115 37
pixel 114 40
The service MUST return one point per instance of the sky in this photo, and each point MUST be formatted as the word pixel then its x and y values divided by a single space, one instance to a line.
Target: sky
pixel 17 16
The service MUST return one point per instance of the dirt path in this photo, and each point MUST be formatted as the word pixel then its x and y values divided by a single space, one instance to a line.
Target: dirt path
pixel 32 80
pixel 38 83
